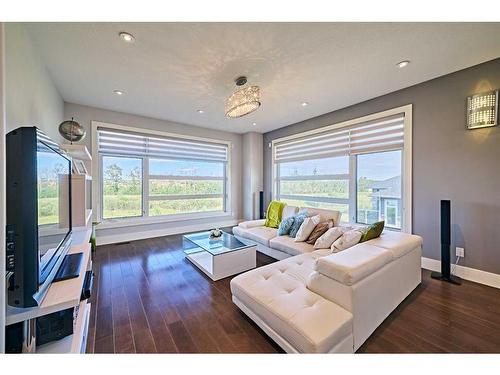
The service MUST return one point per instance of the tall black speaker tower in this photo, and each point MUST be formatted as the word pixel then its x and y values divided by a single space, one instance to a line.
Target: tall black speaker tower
pixel 445 274
pixel 261 205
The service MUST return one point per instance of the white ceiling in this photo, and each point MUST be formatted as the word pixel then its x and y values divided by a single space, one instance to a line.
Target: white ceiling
pixel 173 69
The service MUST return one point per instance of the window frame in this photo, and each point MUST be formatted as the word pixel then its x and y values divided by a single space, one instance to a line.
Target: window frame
pixel 97 188
pixel 406 165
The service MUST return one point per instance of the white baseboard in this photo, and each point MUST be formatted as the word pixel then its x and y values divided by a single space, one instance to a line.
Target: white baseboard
pixel 103 239
pixel 467 273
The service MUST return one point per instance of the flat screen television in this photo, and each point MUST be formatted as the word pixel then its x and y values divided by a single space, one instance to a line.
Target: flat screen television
pixel 38 214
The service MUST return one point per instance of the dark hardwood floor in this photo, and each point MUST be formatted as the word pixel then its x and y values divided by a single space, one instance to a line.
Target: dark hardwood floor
pixel 148 299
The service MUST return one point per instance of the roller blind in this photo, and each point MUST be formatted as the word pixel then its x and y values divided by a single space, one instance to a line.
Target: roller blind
pixel 114 142
pixel 383 134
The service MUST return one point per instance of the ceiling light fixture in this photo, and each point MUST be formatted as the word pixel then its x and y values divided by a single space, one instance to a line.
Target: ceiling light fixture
pixel 127 37
pixel 254 123
pixel 304 104
pixel 402 64
pixel 243 101
pixel 118 92
pixel 200 111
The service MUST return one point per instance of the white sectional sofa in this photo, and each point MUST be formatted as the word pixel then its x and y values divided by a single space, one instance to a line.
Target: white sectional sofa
pixel 316 301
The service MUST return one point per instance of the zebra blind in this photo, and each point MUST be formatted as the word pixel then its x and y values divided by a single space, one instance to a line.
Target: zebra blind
pixel 117 142
pixel 379 135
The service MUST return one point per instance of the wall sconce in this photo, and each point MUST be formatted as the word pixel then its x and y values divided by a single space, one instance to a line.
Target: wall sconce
pixel 482 110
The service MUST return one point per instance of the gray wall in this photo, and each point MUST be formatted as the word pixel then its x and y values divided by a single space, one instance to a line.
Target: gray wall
pixel 32 98
pixel 252 179
pixel 449 162
pixel 84 115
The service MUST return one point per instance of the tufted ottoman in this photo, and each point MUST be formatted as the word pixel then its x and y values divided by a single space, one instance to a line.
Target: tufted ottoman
pixel 277 299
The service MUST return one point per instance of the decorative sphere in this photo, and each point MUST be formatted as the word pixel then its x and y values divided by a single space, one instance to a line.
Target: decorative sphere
pixel 72 130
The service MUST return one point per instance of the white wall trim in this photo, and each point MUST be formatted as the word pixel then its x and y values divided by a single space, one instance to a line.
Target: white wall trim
pixel 467 273
pixel 103 239
pixel 142 221
pixel 407 209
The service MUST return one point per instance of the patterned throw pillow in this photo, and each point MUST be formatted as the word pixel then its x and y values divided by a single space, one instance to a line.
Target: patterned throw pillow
pixel 325 241
pixel 318 231
pixel 285 226
pixel 372 231
pixel 297 222
pixel 347 240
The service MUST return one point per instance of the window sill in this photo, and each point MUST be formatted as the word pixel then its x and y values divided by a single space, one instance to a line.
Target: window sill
pixel 133 222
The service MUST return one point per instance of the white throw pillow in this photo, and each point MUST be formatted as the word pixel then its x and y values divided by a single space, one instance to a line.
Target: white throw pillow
pixel 326 240
pixel 348 239
pixel 306 228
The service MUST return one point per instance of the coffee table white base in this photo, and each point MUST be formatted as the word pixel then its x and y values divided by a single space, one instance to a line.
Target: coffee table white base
pixel 227 264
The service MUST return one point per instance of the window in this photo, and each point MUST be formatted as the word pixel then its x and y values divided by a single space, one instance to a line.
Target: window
pixel 379 188
pixel 145 175
pixel 121 187
pixel 316 183
pixel 355 167
pixel 177 186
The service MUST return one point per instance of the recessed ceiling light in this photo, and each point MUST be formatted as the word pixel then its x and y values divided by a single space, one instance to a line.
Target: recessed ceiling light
pixel 304 104
pixel 118 92
pixel 254 123
pixel 402 64
pixel 200 111
pixel 126 37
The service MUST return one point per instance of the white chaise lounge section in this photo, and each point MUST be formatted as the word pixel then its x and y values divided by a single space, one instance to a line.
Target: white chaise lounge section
pixel 307 302
pixel 300 321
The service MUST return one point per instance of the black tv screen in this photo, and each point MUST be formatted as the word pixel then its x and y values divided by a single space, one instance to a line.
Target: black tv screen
pixel 38 214
pixel 53 184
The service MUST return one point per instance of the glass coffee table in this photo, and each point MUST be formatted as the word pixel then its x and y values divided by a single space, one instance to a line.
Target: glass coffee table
pixel 218 257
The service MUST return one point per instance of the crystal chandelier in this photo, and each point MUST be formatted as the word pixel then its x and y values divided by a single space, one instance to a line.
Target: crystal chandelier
pixel 243 101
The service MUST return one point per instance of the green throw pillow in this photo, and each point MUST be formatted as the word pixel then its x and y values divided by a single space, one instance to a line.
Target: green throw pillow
pixel 273 216
pixel 372 231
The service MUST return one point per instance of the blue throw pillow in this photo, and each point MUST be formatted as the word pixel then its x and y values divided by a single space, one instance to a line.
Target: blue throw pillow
pixel 285 226
pixel 297 222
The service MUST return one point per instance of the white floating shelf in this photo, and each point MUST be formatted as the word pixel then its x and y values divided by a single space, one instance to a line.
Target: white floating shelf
pixel 75 343
pixel 77 151
pixel 62 294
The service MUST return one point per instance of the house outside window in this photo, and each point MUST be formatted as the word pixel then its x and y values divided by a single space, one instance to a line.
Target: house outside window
pixel 379 189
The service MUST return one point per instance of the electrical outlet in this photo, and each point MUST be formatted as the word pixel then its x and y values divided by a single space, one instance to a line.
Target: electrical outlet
pixel 460 252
